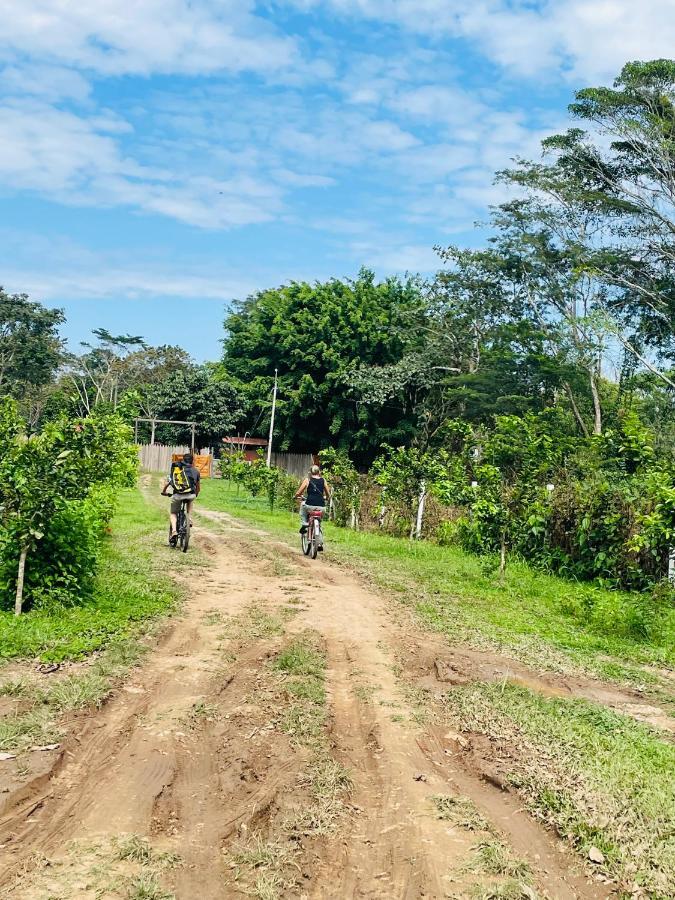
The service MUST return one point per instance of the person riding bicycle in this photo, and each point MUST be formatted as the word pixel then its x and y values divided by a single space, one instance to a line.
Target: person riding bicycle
pixel 185 480
pixel 314 491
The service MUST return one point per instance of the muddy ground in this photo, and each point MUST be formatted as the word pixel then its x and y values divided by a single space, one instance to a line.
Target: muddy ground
pixel 192 781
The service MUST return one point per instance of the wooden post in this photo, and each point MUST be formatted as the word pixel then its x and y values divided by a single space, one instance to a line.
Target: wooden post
pixel 192 448
pixel 420 509
pixel 152 434
pixel 18 603
pixel 502 554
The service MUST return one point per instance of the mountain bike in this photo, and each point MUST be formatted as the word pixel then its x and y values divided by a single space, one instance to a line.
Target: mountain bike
pixel 182 528
pixel 312 537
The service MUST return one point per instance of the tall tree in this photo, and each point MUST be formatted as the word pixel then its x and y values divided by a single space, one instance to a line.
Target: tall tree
pixel 315 335
pixel 30 346
pixel 625 166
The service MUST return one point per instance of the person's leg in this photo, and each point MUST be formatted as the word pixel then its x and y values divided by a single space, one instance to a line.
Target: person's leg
pixel 304 517
pixel 173 516
pixel 189 511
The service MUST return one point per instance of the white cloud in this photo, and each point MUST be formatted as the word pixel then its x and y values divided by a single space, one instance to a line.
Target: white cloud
pixel 144 36
pixel 589 39
pixel 72 160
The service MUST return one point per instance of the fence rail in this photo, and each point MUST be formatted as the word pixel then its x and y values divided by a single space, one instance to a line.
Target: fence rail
pixel 157 457
pixel 297 464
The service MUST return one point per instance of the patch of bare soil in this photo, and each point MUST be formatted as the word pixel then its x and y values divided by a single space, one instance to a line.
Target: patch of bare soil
pixel 190 779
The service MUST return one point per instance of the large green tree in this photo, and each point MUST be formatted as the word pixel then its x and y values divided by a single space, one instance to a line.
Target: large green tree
pixel 316 335
pixel 30 348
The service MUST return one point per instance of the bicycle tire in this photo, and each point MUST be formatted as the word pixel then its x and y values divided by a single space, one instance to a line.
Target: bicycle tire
pixel 305 541
pixel 183 529
pixel 315 540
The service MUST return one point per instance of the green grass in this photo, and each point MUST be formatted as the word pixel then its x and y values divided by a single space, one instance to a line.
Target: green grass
pixel 560 623
pixel 602 779
pixel 131 588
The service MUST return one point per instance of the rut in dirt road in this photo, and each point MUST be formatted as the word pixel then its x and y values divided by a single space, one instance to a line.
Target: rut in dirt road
pixel 216 772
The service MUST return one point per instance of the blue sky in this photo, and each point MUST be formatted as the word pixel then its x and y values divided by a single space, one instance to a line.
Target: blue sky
pixel 161 158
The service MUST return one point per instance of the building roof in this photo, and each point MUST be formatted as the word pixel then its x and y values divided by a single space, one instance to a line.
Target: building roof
pixel 245 441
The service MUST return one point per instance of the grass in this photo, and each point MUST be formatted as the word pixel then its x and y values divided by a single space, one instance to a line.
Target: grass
pixel 602 779
pixel 37 725
pixel 460 812
pixel 494 858
pixel 563 623
pixel 131 588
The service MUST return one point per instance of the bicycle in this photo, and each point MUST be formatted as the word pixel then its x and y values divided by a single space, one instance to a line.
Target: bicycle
pixel 312 537
pixel 182 528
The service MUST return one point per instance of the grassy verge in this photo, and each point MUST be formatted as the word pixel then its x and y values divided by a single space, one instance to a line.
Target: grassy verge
pixel 604 781
pixel 530 614
pixel 132 587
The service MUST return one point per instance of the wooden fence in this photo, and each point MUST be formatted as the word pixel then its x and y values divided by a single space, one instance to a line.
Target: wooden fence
pixel 297 464
pixel 157 458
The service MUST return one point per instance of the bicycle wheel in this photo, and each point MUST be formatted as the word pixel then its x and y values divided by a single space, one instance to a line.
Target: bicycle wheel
pixel 184 530
pixel 305 541
pixel 315 539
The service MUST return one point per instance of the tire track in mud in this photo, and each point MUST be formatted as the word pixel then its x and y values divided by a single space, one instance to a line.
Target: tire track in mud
pixel 189 753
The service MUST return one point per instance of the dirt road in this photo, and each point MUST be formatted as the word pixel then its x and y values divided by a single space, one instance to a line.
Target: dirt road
pixel 213 773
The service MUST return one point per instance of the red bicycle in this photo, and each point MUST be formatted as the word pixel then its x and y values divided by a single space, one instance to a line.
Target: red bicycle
pixel 312 536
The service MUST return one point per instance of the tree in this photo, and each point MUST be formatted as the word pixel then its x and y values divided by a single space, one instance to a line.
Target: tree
pixel 196 394
pixel 316 335
pixel 625 167
pixel 30 347
pixel 97 375
pixel 41 474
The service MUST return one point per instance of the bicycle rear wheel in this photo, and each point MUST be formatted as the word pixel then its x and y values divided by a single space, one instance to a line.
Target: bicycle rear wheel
pixel 305 542
pixel 315 539
pixel 184 530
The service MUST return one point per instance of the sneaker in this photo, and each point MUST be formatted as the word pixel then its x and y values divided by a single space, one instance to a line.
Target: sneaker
pixel 173 540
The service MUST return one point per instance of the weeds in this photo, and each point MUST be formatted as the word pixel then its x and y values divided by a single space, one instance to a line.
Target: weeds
pixel 493 858
pixel 460 812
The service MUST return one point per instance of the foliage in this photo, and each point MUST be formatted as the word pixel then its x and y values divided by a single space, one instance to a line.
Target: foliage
pixel 55 499
pixel 316 335
pixel 130 588
pixel 260 479
pixel 195 394
pixel 30 348
pixel 345 485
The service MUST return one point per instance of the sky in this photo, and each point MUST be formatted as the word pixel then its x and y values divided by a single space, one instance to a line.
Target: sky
pixel 162 158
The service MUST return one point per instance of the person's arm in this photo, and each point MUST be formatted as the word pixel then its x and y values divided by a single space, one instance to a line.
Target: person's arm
pixel 168 482
pixel 327 489
pixel 198 484
pixel 302 489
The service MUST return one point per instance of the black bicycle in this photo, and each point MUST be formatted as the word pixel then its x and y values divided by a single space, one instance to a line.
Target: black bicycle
pixel 182 528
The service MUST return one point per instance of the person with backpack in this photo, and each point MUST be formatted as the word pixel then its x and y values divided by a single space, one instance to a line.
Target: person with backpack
pixel 185 481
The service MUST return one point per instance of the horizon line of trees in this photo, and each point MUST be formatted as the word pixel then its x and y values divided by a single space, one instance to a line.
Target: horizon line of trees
pixel 562 326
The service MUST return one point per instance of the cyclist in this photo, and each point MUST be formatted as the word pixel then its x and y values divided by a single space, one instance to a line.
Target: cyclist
pixel 314 491
pixel 180 494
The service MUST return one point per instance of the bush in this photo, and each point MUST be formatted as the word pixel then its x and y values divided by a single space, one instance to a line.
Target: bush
pixel 57 492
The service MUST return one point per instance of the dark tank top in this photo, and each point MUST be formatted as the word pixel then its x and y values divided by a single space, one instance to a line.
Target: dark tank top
pixel 315 491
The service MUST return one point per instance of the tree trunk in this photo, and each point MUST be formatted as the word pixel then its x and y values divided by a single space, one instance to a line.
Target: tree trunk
pixel 597 409
pixel 18 603
pixel 575 409
pixel 152 434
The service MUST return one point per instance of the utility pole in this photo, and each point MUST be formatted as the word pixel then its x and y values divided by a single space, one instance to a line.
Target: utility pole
pixel 274 409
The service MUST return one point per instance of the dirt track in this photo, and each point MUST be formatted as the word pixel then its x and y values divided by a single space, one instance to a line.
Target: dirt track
pixel 189 754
